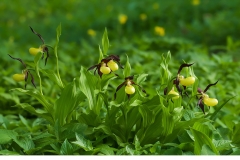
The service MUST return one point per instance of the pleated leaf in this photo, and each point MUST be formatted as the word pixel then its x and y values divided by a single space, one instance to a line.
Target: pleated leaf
pixel 6 136
pixel 47 106
pixel 83 143
pixel 67 102
pixel 199 140
pixel 66 148
pixel 53 76
pixel 87 84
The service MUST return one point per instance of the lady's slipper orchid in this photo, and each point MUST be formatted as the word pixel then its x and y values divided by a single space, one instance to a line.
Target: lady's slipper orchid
pixel 129 88
pixel 107 65
pixel 23 76
pixel 204 98
pixel 42 49
pixel 185 82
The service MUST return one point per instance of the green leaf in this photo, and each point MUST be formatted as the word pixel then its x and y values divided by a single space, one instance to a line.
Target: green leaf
pixel 168 57
pixel 67 102
pixel 129 150
pixel 87 84
pixel 188 114
pixel 220 107
pixel 206 150
pixel 132 117
pixel 202 128
pixel 222 144
pixel 44 139
pixel 7 152
pixel 237 152
pixel 36 62
pixel 105 81
pixel 121 151
pixel 186 146
pixel 127 68
pixel 24 121
pixel 47 106
pixel 156 148
pixel 59 30
pixel 6 136
pixel 181 126
pixel 105 42
pixel 137 143
pixel 100 54
pixel 184 138
pixel 66 148
pixel 83 143
pixel 25 143
pixel 200 140
pixel 37 112
pixel 68 130
pixel 167 121
pixel 141 78
pixel 105 149
pixel 173 151
pixel 236 133
pixel 53 76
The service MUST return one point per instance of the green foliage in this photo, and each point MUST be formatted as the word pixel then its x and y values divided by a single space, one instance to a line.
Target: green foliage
pixel 73 111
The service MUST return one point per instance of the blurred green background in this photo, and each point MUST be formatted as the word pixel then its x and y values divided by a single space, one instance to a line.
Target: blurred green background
pixel 202 31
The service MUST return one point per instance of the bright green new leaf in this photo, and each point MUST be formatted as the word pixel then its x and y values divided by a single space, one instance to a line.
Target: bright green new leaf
pixel 130 150
pixel 127 68
pixel 105 42
pixel 141 78
pixel 100 54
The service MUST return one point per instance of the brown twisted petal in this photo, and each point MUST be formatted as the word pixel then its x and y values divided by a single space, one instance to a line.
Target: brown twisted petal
pixel 37 34
pixel 184 65
pixel 205 90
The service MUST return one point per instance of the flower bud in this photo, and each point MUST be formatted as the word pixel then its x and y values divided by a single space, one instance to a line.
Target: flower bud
pixel 112 65
pixel 18 77
pixel 129 89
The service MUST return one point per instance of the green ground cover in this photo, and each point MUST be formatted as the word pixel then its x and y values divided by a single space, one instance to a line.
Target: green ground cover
pixel 73 111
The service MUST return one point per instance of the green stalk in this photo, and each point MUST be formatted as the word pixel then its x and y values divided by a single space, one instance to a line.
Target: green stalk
pixel 55 52
pixel 40 80
pixel 58 74
pixel 36 61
